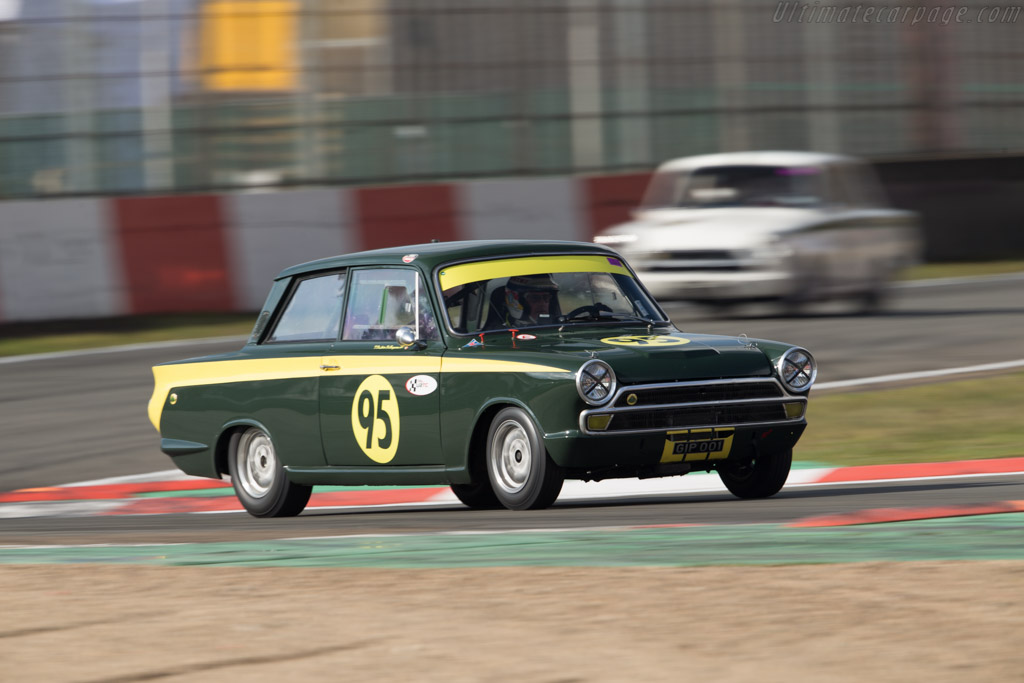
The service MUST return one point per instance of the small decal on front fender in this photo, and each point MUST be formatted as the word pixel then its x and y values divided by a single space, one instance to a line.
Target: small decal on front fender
pixel 421 385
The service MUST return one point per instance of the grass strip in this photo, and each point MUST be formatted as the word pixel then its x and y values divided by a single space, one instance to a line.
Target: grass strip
pixel 964 419
pixel 927 271
pixel 18 339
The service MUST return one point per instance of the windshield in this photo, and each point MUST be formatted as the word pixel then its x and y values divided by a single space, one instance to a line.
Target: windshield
pixel 717 186
pixel 534 291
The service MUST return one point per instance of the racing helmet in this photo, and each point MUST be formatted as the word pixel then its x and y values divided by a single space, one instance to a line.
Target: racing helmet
pixel 522 291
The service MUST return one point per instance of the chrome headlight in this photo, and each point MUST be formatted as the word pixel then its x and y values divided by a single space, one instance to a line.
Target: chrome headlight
pixel 797 369
pixel 595 382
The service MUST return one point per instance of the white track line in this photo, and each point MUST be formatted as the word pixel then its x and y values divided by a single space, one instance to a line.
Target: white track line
pixel 923 374
pixel 162 475
pixel 967 280
pixel 118 349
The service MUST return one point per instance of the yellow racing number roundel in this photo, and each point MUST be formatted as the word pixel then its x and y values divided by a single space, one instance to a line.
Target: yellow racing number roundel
pixel 646 340
pixel 375 419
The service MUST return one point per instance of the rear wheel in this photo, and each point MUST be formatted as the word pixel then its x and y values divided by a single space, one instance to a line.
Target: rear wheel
pixel 260 482
pixel 478 495
pixel 522 474
pixel 761 477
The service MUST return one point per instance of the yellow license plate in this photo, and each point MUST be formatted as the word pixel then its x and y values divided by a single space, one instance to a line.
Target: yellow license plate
pixel 689 445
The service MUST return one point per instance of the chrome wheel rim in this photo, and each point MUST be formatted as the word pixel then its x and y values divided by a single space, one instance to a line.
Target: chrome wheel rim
pixel 511 456
pixel 256 463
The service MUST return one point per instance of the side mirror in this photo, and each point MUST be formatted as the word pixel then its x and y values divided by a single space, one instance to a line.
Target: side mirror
pixel 406 337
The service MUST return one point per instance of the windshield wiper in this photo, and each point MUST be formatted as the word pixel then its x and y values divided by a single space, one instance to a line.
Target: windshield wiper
pixel 624 317
pixel 608 316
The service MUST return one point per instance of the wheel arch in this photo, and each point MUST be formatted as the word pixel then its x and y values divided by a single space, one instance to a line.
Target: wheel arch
pixel 476 458
pixel 220 451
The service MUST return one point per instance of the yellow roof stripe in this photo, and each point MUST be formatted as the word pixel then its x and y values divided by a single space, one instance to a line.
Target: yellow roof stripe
pixel 452 276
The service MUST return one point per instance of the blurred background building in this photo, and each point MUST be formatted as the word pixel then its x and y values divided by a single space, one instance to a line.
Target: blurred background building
pixel 126 96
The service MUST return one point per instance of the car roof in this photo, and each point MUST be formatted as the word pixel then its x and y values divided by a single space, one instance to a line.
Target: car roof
pixel 761 158
pixel 431 255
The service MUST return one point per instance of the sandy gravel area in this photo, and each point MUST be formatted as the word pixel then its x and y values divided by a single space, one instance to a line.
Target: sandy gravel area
pixel 860 622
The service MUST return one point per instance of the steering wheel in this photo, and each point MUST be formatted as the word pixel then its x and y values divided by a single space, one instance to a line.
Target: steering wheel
pixel 592 309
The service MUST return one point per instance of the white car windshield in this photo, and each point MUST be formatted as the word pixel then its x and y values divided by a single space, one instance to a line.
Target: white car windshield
pixel 718 186
pixel 532 292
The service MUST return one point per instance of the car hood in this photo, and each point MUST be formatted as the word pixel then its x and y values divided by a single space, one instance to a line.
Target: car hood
pixel 636 355
pixel 721 228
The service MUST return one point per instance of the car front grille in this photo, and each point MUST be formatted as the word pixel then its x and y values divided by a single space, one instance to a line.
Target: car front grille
pixel 687 405
pixel 685 417
pixel 699 393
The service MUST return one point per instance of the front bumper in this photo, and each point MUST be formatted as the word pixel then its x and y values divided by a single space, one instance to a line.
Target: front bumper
pixel 642 455
pixel 692 424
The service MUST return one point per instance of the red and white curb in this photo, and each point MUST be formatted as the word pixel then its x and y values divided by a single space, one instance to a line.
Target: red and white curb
pixel 130 495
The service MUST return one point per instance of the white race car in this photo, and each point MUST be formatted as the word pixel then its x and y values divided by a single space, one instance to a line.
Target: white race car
pixel 767 226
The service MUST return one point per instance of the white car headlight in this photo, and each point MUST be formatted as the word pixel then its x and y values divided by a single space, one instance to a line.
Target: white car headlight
pixel 595 382
pixel 797 369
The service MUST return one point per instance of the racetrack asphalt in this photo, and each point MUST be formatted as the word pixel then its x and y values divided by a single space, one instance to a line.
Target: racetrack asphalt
pixel 83 417
pixel 80 417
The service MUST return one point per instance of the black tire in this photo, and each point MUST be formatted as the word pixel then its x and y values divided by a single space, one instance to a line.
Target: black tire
pixel 478 495
pixel 761 477
pixel 259 479
pixel 522 474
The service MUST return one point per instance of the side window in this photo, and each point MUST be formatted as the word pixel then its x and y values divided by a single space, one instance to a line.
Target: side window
pixel 381 300
pixel 314 311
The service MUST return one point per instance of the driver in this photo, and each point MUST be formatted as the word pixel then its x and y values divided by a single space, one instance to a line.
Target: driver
pixel 530 300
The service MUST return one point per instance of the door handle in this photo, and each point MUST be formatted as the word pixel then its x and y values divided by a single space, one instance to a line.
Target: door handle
pixel 330 367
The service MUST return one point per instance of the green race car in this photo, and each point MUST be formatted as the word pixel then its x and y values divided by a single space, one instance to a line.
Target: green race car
pixel 499 368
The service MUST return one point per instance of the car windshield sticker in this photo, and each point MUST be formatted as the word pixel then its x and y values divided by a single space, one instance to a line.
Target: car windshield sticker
pixel 463 273
pixel 409 258
pixel 421 385
pixel 526 337
pixel 689 445
pixel 375 419
pixel 645 340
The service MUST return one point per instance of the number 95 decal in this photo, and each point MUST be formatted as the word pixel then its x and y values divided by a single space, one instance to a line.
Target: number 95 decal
pixel 375 419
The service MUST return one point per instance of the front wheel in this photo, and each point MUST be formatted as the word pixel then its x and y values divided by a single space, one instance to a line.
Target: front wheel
pixel 522 474
pixel 761 477
pixel 260 482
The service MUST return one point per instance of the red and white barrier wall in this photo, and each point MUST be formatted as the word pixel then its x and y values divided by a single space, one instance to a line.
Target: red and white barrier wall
pixel 101 257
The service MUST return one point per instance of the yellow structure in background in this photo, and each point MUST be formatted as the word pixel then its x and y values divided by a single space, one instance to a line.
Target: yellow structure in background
pixel 249 45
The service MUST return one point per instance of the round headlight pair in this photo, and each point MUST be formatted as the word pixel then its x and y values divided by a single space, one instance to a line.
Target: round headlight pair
pixel 595 382
pixel 797 369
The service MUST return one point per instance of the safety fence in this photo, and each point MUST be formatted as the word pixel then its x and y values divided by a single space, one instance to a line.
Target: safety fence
pixel 104 257
pixel 148 96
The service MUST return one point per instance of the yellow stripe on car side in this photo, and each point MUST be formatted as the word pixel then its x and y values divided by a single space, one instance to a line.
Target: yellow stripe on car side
pixel 452 276
pixel 168 377
pixel 450 364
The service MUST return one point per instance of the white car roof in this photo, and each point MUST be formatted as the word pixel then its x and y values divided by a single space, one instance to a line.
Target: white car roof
pixel 766 158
